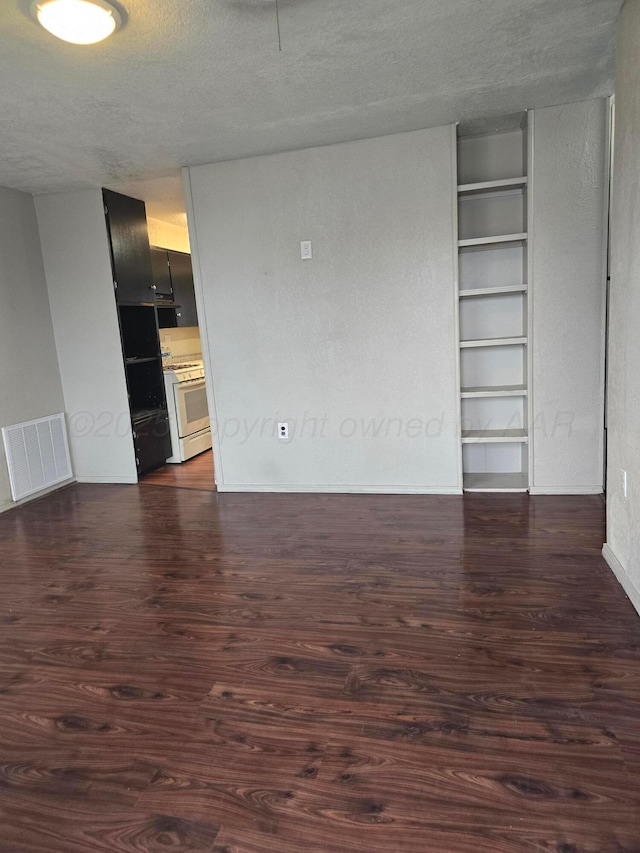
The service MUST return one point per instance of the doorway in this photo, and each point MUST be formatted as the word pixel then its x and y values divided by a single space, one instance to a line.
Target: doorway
pixel 191 463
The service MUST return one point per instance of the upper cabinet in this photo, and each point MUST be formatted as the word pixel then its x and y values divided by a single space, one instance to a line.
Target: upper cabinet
pixel 183 288
pixel 173 277
pixel 130 254
pixel 161 274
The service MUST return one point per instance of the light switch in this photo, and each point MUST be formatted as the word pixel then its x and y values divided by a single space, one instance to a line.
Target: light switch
pixel 305 250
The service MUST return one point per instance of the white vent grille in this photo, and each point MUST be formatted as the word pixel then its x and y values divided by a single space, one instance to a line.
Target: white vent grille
pixel 37 455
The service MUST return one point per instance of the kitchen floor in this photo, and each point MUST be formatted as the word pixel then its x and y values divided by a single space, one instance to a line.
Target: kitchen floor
pixel 196 473
pixel 194 671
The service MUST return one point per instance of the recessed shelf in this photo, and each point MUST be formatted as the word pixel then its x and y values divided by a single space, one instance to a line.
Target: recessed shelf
pixel 139 332
pixel 493 311
pixel 495 482
pixel 487 186
pixel 473 436
pixel 494 391
pixel 493 342
pixel 493 291
pixel 492 241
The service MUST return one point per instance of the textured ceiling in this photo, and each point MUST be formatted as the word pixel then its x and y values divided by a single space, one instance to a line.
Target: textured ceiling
pixel 195 81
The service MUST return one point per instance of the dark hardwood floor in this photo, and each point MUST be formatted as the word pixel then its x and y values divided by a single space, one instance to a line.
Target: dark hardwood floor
pixel 183 670
pixel 196 473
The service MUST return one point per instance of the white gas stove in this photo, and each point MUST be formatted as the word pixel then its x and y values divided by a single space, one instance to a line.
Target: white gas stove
pixel 188 409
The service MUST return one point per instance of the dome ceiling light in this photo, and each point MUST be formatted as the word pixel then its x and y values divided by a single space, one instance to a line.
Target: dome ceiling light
pixel 77 21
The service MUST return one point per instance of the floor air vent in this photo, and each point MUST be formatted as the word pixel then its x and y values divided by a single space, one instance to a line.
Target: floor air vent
pixel 37 455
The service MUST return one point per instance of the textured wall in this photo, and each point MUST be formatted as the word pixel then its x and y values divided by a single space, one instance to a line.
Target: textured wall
pixel 569 191
pixel 359 340
pixel 80 282
pixel 29 376
pixel 623 515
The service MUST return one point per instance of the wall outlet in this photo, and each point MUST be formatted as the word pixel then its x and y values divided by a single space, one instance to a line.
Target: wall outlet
pixel 283 431
pixel 623 482
pixel 305 250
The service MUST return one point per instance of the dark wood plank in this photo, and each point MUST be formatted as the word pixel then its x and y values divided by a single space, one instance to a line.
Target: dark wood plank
pixel 194 671
pixel 196 473
pixel 91 821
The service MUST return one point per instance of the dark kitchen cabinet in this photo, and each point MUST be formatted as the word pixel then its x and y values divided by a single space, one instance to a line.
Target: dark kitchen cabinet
pixel 180 290
pixel 183 288
pixel 151 440
pixel 161 274
pixel 130 254
pixel 167 317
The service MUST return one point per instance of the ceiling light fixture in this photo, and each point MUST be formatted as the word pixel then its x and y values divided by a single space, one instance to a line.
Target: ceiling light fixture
pixel 77 21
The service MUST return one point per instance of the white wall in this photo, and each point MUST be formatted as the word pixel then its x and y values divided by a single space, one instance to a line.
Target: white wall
pixel 363 332
pixel 29 376
pixel 568 205
pixel 75 249
pixel 623 422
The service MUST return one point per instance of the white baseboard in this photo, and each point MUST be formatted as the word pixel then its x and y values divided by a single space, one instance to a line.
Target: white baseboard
pixel 566 490
pixel 15 504
pixel 623 578
pixel 108 479
pixel 354 490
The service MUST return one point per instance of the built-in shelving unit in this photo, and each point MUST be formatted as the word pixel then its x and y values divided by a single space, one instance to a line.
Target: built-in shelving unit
pixel 492 302
pixel 133 287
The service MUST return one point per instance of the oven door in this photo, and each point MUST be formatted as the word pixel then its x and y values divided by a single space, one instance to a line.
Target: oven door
pixel 191 406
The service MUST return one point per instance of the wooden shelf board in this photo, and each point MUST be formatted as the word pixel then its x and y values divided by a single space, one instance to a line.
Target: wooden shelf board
pixel 494 391
pixel 495 482
pixel 138 415
pixel 493 291
pixel 493 436
pixel 126 304
pixel 143 360
pixel 493 342
pixel 488 241
pixel 487 186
